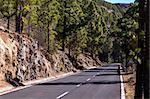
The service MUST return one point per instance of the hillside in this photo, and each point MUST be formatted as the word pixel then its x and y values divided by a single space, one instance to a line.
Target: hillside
pixel 123 5
pixel 22 58
pixel 54 37
pixel 44 39
pixel 118 8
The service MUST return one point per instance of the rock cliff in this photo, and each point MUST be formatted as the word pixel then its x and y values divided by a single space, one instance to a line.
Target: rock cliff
pixel 21 57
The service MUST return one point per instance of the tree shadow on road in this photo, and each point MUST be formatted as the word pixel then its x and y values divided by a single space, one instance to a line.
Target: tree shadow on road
pixel 103 74
pixel 101 69
pixel 83 83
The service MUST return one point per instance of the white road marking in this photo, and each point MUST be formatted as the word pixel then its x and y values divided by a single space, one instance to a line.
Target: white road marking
pixel 15 89
pixel 32 83
pixel 88 79
pixel 62 95
pixel 78 85
pixel 122 88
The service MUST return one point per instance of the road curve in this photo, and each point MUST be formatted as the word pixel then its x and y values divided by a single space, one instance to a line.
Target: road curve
pixel 97 83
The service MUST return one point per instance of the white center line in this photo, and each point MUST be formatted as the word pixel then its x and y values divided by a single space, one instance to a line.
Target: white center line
pixel 78 85
pixel 88 79
pixel 62 95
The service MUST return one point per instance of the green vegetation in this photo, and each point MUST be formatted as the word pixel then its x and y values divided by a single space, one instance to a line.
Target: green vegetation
pixel 96 27
pixel 75 26
pixel 127 34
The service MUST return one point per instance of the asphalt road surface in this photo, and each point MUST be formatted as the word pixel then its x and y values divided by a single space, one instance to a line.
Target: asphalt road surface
pixel 97 83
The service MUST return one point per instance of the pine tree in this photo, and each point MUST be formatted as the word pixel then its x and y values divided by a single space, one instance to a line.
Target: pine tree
pixel 96 29
pixel 7 8
pixel 49 17
pixel 70 22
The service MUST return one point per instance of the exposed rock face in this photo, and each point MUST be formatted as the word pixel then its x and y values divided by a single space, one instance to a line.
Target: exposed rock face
pixel 8 55
pixel 22 58
pixel 86 61
pixel 61 62
pixel 31 62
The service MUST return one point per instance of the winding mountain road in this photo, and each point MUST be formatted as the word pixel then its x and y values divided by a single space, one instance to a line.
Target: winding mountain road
pixel 97 83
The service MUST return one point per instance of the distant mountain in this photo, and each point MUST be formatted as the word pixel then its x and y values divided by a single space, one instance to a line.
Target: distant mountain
pixel 118 8
pixel 123 5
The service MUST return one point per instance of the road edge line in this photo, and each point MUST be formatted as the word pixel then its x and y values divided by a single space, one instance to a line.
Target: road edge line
pixel 32 83
pixel 122 88
pixel 14 90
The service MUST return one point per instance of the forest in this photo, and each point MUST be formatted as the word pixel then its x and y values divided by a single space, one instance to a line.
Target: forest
pixel 75 26
pixel 101 29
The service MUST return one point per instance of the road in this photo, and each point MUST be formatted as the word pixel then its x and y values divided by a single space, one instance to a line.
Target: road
pixel 97 83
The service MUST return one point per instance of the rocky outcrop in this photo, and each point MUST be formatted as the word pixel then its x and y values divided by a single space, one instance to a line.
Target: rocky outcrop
pixel 86 61
pixel 23 59
pixel 61 62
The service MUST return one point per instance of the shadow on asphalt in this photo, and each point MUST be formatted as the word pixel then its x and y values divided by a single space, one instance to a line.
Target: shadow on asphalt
pixel 100 71
pixel 110 74
pixel 104 69
pixel 83 83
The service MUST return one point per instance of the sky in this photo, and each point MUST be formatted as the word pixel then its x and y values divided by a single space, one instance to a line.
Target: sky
pixel 120 1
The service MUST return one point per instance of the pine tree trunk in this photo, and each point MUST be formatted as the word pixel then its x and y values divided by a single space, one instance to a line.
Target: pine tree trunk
pixel 64 29
pixel 126 55
pixel 8 23
pixel 69 50
pixel 126 62
pixel 22 25
pixel 18 17
pixel 48 37
pixel 139 85
pixel 29 30
pixel 146 69
pixel 141 43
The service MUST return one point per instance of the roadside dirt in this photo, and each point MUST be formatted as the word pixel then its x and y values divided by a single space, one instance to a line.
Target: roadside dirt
pixel 3 84
pixel 129 77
